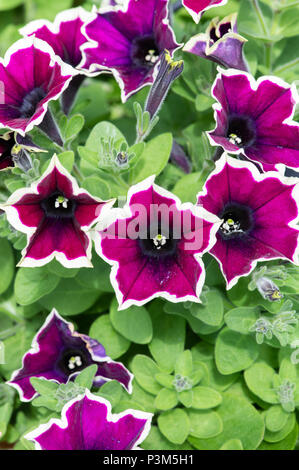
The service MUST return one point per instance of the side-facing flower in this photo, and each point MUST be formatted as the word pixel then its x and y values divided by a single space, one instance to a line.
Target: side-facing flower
pixel 15 151
pixel 196 8
pixel 65 36
pixel 221 43
pixel 59 353
pixel 155 246
pixel 128 42
pixel 259 215
pixel 169 71
pixel 56 216
pixel 255 118
pixel 26 91
pixel 87 424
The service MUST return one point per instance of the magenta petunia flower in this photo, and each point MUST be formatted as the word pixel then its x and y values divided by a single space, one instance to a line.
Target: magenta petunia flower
pixel 255 118
pixel 59 353
pixel 26 91
pixel 259 215
pixel 87 424
pixel 128 42
pixel 196 8
pixel 56 216
pixel 155 246
pixel 221 43
pixel 65 36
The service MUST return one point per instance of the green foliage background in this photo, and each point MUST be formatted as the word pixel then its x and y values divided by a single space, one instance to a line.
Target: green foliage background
pixel 233 402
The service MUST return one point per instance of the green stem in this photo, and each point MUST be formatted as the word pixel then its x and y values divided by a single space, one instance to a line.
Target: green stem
pixel 260 16
pixel 268 56
pixel 9 332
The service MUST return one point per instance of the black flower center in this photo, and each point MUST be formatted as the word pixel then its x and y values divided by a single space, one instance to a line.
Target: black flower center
pixel 225 28
pixel 57 206
pixel 30 102
pixel 237 221
pixel 241 131
pixel 158 245
pixel 72 360
pixel 144 51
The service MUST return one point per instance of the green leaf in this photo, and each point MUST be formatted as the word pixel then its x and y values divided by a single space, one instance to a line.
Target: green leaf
pixel 165 380
pixel 240 421
pixel 205 398
pixel 74 126
pixel 283 432
pixel 288 443
pixel 232 444
pixel 168 338
pixel 44 386
pixel 44 9
pixel 133 323
pixel 56 268
pixel 187 187
pixel 9 4
pixel 186 398
pixel 7 264
pixel 234 352
pixel 67 160
pixel 70 298
pixel 5 415
pixel 31 284
pixel 156 441
pixel 154 158
pixel 97 278
pixel 166 399
pixel 103 331
pixel 86 376
pixel 174 425
pixel 204 424
pixel 255 21
pixel 112 391
pixel 211 312
pixel 241 319
pixel 103 130
pixel 184 364
pixel 275 418
pixel 259 379
pixel 145 370
pixel 97 187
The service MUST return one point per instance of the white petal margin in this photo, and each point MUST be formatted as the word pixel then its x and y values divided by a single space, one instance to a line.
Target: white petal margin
pixel 14 219
pixel 95 69
pixel 63 17
pixel 112 418
pixel 66 70
pixel 197 13
pixel 254 84
pixel 35 350
pixel 258 177
pixel 125 212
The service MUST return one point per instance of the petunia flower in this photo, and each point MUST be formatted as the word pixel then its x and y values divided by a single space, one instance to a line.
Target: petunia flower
pixel 59 353
pixel 65 37
pixel 255 118
pixel 259 213
pixel 128 42
pixel 155 246
pixel 196 8
pixel 27 90
pixel 221 43
pixel 56 216
pixel 14 151
pixel 87 424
